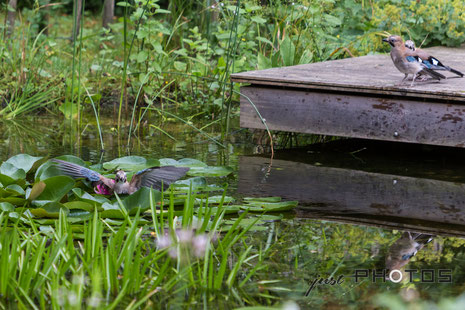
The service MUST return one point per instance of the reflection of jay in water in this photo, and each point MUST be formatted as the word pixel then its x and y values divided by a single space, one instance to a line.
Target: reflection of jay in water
pixel 152 177
pixel 403 249
pixel 408 61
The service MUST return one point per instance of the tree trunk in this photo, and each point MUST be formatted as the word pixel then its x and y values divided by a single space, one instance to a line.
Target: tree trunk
pixel 78 11
pixel 12 4
pixel 108 13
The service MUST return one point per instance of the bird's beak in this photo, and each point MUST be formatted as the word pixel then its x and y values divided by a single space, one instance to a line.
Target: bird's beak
pixel 385 40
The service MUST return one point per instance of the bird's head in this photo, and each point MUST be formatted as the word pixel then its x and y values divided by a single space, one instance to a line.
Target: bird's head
pixel 410 44
pixel 394 41
pixel 120 176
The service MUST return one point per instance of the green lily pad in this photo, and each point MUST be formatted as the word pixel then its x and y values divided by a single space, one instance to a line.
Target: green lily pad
pixel 140 200
pixel 262 199
pixel 190 162
pixel 81 205
pixel 215 200
pixel 23 161
pixel 270 206
pixel 210 171
pixel 110 210
pixel 85 196
pixel 15 190
pixel 196 182
pixel 131 163
pixel 17 201
pixel 11 171
pixel 227 209
pixel 6 180
pixel 79 215
pixel 6 206
pixel 55 189
pixel 185 162
pixel 50 210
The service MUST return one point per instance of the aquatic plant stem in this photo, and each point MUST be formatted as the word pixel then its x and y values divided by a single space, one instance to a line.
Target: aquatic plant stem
pixel 262 120
pixel 96 117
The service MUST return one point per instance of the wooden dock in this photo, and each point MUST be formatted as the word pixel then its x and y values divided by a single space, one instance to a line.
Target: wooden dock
pixel 359 97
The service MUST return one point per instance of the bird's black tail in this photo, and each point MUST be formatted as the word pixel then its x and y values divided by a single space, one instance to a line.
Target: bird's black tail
pixel 433 74
pixel 455 71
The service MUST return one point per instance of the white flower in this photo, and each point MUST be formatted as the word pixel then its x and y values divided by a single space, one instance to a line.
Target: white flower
pixel 164 242
pixel 185 236
pixel 199 244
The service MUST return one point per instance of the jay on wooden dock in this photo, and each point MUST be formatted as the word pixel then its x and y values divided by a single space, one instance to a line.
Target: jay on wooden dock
pixel 430 61
pixel 408 61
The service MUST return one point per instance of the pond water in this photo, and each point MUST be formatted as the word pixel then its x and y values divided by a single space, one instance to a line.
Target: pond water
pixel 363 207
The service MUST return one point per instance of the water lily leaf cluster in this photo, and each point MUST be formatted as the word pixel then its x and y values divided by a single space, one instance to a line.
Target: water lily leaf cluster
pixel 37 189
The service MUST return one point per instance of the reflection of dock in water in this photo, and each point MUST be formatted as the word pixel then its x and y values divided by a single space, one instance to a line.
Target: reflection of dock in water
pixel 351 191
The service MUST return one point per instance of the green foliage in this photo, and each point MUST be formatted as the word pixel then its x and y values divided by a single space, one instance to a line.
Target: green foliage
pixel 59 239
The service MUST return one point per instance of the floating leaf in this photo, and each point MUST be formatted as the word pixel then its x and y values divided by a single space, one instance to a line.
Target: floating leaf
pixel 55 189
pixel 210 171
pixel 85 206
pixel 227 209
pixel 271 206
pixel 23 161
pixel 6 206
pixel 195 182
pixel 216 199
pixel 51 210
pixel 17 201
pixel 15 190
pixel 140 200
pixel 78 215
pixel 11 171
pixel 262 199
pixel 131 163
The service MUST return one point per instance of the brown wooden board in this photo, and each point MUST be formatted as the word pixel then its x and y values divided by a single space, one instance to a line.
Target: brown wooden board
pixel 354 196
pixel 373 74
pixel 344 115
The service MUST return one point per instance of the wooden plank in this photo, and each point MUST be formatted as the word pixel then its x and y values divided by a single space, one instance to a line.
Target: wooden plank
pixel 373 74
pixel 354 116
pixel 357 196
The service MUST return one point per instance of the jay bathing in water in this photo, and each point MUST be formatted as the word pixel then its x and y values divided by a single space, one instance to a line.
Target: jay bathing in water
pixel 156 178
pixel 415 62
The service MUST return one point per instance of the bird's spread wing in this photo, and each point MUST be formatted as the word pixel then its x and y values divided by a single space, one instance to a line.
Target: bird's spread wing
pixel 157 177
pixel 77 172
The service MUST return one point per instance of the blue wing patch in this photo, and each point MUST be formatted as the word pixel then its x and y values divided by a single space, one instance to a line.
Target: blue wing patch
pixel 412 58
pixel 406 256
pixel 427 64
pixel 90 174
pixel 142 171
